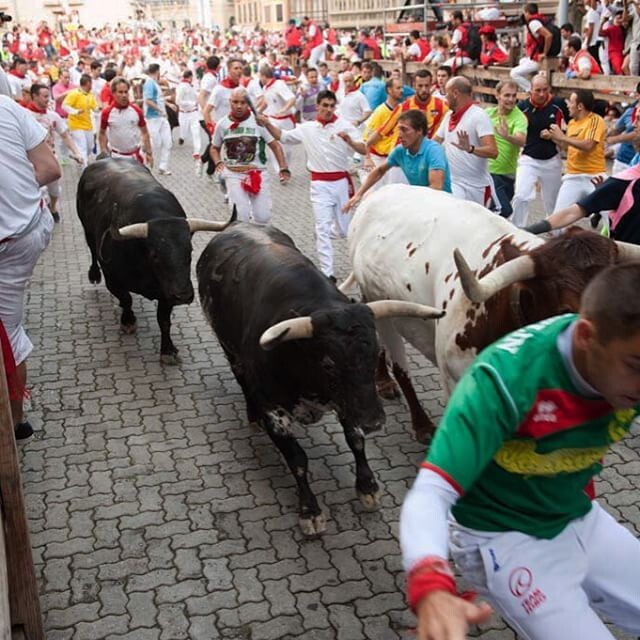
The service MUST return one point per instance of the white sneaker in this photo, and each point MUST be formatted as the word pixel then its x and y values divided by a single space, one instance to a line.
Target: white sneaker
pixel 164 172
pixel 199 166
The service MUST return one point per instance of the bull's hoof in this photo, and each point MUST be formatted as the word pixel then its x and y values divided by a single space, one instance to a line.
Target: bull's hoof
pixel 424 435
pixel 388 390
pixel 254 427
pixel 370 501
pixel 129 329
pixel 95 276
pixel 314 526
pixel 171 359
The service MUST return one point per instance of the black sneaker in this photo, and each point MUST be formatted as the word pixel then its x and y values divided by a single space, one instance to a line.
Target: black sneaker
pixel 333 279
pixel 23 432
pixel 180 141
pixel 56 216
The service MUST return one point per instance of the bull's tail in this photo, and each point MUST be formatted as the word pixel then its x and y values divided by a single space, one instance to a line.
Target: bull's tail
pixel 348 283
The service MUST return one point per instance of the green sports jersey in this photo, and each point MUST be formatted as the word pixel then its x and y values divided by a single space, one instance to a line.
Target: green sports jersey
pixel 519 441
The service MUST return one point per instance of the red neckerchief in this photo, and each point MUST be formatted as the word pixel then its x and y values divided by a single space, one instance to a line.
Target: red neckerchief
pixel 543 105
pixel 333 86
pixel 235 122
pixel 230 84
pixel 332 119
pixel 185 81
pixel 32 107
pixel 351 90
pixel 454 121
pixel 270 83
pixel 17 74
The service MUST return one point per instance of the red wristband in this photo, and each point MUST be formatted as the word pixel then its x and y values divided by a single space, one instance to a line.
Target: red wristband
pixel 430 574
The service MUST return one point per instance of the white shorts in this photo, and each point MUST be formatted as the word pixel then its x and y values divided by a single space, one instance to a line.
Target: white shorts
pixel 555 589
pixel 18 258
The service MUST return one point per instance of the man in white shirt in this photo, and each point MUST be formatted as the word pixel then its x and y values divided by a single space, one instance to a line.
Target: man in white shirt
pixel 329 142
pixel 189 116
pixel 469 142
pixel 123 128
pixel 97 85
pixel 217 106
pixel 591 31
pixel 209 80
pixel 53 124
pixel 354 106
pixel 238 150
pixel 26 164
pixel 278 103
pixel 19 80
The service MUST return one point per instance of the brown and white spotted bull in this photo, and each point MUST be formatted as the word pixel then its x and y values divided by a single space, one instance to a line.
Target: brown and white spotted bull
pixel 402 241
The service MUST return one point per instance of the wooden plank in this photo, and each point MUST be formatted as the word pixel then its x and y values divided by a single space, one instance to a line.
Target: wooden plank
pixel 24 601
pixel 5 612
pixel 600 82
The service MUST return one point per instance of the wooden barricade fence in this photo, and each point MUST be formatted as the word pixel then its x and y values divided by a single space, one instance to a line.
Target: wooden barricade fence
pixel 615 89
pixel 20 616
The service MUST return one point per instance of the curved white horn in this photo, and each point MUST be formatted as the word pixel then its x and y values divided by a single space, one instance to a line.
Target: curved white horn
pixel 627 251
pixel 138 230
pixel 516 270
pixel 294 329
pixel 199 224
pixel 399 308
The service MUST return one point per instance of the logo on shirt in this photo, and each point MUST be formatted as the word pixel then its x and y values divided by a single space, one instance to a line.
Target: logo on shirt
pixel 546 412
pixel 520 581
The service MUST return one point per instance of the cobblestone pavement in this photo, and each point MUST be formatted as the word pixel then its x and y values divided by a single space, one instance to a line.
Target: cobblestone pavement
pixel 156 513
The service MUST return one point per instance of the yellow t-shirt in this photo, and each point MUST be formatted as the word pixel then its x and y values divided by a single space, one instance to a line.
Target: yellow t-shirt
pixel 434 111
pixel 591 127
pixel 385 145
pixel 86 103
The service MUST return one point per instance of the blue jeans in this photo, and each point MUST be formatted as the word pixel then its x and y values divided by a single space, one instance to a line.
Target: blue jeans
pixel 504 186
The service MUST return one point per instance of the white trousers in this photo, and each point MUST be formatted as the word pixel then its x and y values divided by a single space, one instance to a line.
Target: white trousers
pixel 316 55
pixel 574 187
pixel 161 143
pixel 190 129
pixel 327 199
pixel 479 195
pixel 618 167
pixel 395 175
pixel 530 171
pixel 285 124
pixel 457 61
pixel 554 589
pixel 523 72
pixel 84 142
pixel 251 208
pixel 18 258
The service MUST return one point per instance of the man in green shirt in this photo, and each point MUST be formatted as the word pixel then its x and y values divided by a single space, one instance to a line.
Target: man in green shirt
pixel 510 125
pixel 513 460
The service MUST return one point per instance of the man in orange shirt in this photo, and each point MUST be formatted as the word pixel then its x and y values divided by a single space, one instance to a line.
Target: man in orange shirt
pixel 584 142
pixel 433 108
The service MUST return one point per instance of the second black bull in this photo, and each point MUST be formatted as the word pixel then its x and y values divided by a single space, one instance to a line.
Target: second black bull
pixel 140 236
pixel 297 346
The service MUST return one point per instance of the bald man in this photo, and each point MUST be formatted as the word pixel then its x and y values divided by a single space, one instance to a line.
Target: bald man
pixel 352 104
pixel 469 142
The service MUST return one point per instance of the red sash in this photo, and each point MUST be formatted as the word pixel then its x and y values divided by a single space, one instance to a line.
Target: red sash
pixel 334 176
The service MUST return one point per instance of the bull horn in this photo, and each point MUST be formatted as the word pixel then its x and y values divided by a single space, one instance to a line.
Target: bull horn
pixel 138 230
pixel 400 309
pixel 516 270
pixel 199 224
pixel 293 329
pixel 627 251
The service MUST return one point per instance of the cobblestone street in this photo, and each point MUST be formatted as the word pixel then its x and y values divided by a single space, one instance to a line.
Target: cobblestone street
pixel 156 513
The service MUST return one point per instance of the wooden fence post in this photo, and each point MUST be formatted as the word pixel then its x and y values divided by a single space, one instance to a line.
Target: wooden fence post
pixel 24 601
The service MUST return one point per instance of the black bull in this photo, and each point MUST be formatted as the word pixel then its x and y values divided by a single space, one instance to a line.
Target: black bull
pixel 297 346
pixel 139 235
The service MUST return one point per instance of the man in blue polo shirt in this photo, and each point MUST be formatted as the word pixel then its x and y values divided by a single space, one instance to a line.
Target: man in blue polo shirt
pixel 156 116
pixel 373 85
pixel 423 161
